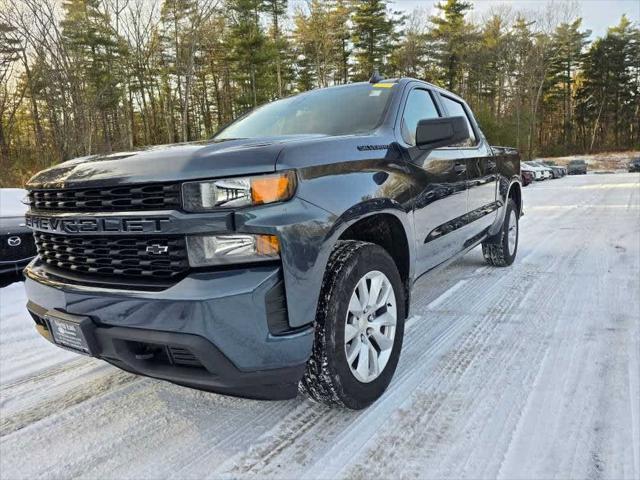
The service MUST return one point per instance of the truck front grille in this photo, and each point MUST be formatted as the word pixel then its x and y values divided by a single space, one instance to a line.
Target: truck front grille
pixel 115 257
pixel 107 199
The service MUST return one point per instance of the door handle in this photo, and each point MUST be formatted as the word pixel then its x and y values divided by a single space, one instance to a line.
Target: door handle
pixel 459 168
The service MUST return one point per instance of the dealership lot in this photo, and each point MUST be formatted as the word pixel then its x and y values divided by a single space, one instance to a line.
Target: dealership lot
pixel 530 372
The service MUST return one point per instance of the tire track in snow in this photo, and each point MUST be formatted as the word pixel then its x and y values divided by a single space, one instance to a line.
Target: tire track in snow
pixel 68 399
pixel 45 374
pixel 429 428
pixel 573 354
pixel 525 413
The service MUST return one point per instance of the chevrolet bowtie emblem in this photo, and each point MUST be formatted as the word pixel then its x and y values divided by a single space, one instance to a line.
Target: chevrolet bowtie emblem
pixel 156 249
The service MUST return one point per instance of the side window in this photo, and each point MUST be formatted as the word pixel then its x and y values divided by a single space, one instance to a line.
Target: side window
pixel 419 106
pixel 456 109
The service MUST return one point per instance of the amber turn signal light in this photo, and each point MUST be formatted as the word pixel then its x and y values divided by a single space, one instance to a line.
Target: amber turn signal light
pixel 272 188
pixel 267 245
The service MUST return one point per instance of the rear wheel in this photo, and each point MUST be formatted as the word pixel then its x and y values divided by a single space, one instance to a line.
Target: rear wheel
pixel 359 327
pixel 501 249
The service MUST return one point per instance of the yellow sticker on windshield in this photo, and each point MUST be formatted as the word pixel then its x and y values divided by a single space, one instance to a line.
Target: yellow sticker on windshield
pixel 383 85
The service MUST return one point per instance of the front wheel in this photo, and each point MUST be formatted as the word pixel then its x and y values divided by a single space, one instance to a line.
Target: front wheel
pixel 501 249
pixel 359 327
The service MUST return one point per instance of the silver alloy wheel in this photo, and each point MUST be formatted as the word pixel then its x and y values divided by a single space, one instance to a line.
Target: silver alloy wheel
pixel 370 326
pixel 512 232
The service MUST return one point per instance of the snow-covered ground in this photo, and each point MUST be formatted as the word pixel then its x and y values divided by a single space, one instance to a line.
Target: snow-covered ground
pixel 527 372
pixel 604 161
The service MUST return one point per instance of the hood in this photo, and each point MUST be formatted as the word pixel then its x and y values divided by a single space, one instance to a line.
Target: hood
pixel 10 225
pixel 168 163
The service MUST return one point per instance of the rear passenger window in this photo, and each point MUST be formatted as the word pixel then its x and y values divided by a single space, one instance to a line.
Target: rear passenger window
pixel 419 106
pixel 455 109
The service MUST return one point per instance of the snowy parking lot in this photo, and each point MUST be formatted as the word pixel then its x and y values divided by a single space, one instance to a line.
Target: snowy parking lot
pixel 532 371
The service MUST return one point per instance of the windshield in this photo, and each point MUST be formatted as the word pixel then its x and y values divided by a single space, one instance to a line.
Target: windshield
pixel 344 110
pixel 576 162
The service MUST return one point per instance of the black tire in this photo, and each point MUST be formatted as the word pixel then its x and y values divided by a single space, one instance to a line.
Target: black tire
pixel 328 378
pixel 496 249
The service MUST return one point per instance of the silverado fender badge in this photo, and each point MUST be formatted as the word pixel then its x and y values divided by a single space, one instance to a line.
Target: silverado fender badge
pixel 372 147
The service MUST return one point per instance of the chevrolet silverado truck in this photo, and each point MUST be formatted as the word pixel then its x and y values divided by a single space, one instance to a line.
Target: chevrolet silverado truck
pixel 278 256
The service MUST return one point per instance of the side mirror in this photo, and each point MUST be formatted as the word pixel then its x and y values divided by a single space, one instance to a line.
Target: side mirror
pixel 441 132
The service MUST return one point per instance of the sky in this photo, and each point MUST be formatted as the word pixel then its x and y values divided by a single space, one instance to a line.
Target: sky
pixel 597 15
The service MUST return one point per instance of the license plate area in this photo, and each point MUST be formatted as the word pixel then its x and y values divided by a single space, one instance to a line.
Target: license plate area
pixel 74 332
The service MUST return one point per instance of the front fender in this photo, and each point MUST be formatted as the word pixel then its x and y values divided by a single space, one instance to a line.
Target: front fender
pixel 310 224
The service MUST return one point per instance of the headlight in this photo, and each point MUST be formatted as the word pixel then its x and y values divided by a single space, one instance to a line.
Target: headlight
pixel 206 250
pixel 237 192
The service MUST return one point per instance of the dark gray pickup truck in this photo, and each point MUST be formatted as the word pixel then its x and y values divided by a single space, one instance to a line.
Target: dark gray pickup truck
pixel 278 256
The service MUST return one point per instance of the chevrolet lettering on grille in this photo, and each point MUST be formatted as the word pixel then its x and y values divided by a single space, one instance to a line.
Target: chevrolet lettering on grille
pixel 96 225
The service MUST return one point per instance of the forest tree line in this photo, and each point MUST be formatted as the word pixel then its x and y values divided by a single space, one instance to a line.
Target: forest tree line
pixel 81 77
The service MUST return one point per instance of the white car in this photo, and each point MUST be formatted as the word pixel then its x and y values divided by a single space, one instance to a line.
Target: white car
pixel 547 171
pixel 538 172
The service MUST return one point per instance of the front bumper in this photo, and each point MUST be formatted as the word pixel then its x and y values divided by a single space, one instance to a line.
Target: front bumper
pixel 217 322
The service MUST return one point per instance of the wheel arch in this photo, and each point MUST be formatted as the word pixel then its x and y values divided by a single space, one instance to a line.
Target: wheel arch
pixel 508 188
pixel 388 228
pixel 515 193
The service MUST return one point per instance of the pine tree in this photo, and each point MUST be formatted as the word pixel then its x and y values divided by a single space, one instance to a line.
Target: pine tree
pixel 10 52
pixel 178 55
pixel 410 57
pixel 568 44
pixel 374 36
pixel 523 49
pixel 10 48
pixel 97 53
pixel 339 26
pixel 489 77
pixel 606 98
pixel 321 37
pixel 277 10
pixel 451 37
pixel 250 52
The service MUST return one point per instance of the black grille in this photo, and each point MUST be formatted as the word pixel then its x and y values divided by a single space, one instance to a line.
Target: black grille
pixel 183 356
pixel 133 197
pixel 114 257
